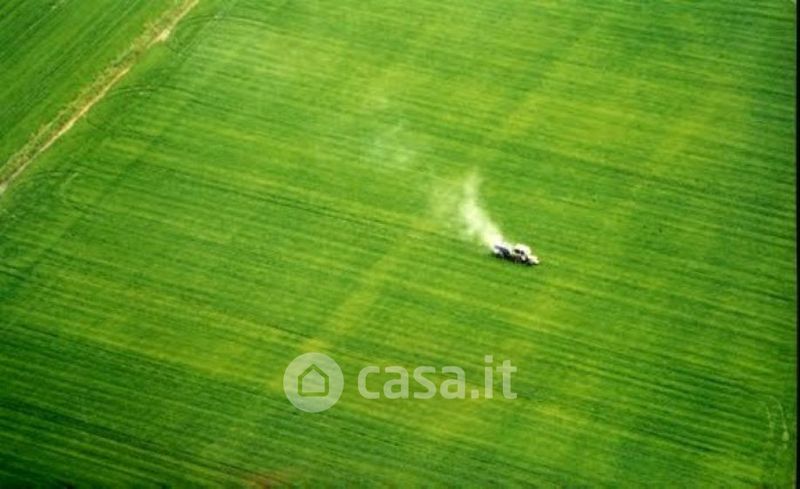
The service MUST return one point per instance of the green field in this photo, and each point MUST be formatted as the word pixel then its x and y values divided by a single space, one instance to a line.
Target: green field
pixel 50 49
pixel 268 182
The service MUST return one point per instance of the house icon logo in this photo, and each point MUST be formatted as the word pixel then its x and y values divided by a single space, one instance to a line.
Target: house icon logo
pixel 313 382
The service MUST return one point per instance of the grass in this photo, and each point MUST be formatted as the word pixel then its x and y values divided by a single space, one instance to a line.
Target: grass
pixel 263 185
pixel 51 48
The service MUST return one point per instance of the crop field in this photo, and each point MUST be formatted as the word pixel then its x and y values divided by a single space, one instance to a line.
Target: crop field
pixel 50 49
pixel 263 179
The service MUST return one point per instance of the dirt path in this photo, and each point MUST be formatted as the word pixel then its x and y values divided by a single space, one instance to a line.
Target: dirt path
pixel 91 95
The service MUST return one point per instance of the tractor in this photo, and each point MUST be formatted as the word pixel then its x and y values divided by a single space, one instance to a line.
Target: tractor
pixel 518 253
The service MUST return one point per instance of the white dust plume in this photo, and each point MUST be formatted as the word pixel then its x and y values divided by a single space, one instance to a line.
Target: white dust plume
pixel 478 225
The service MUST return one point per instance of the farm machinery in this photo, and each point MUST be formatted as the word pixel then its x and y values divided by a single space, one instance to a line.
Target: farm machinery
pixel 519 253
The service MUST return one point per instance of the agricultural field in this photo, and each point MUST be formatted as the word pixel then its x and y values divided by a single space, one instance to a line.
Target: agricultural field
pixel 262 179
pixel 50 50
